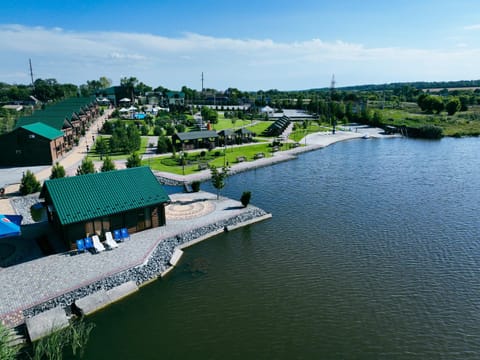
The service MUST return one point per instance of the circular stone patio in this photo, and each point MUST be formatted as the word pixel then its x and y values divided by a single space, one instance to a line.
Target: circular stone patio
pixel 188 208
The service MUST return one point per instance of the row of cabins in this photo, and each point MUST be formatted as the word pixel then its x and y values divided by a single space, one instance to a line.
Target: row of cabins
pixel 94 204
pixel 45 136
pixel 208 139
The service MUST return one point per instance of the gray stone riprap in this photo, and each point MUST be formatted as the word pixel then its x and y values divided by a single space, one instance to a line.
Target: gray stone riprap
pixel 58 280
pixel 22 205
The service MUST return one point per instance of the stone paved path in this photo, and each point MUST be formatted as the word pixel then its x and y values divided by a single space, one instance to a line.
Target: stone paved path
pixel 34 282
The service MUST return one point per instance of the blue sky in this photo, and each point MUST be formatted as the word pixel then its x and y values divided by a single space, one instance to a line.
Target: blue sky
pixel 246 44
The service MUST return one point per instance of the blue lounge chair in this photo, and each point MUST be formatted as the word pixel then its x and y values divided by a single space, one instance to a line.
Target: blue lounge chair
pixel 89 243
pixel 117 235
pixel 80 246
pixel 125 235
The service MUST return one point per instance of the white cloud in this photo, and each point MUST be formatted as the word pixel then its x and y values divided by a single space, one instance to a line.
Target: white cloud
pixel 72 56
pixel 472 27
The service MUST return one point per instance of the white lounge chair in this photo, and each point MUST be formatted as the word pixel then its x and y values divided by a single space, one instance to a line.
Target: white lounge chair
pixel 97 244
pixel 111 244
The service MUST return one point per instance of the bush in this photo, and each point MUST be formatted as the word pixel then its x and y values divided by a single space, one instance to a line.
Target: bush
pixel 245 199
pixel 430 132
pixel 196 186
pixel 58 171
pixel 29 184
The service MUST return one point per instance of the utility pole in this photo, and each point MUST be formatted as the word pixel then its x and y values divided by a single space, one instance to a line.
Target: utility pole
pixel 31 72
pixel 202 81
pixel 332 90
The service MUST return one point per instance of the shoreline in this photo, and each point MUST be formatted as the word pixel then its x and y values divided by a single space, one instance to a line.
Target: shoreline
pixel 142 259
pixel 314 142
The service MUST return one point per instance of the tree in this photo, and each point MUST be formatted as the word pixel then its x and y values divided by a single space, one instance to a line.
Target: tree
pixel 219 177
pixel 58 171
pixel 134 160
pixel 86 167
pixel 101 146
pixel 108 165
pixel 164 145
pixel 129 84
pixel 245 198
pixel 453 105
pixel 436 104
pixel 29 184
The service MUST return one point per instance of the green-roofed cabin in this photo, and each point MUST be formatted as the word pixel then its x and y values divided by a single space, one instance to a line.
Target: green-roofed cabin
pixel 96 203
pixel 195 140
pixel 30 145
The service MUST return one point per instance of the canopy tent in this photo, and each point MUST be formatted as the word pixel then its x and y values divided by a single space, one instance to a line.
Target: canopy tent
pixel 123 110
pixel 10 225
pixel 132 108
pixel 125 100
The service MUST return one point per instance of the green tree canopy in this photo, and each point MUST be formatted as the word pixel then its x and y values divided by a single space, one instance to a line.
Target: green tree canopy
pixel 29 183
pixel 219 177
pixel 107 165
pixel 453 105
pixel 58 171
pixel 86 167
pixel 134 160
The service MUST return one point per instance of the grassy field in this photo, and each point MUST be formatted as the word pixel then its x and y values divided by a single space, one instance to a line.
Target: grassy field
pixel 215 157
pixel 461 124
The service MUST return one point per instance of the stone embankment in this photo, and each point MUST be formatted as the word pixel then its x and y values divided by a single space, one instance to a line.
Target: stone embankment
pixel 156 264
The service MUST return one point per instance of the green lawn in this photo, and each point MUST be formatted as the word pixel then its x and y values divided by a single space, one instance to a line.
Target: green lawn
pixel 300 132
pixel 227 123
pixel 260 127
pixel 118 156
pixel 168 164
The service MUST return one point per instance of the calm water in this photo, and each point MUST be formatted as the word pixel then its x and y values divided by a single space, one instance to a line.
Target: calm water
pixel 373 252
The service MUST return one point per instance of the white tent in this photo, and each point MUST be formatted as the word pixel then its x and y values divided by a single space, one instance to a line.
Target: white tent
pixel 132 108
pixel 267 109
pixel 125 100
pixel 123 110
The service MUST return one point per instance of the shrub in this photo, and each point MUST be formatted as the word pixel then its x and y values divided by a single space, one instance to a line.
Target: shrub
pixel 245 198
pixel 58 171
pixel 430 132
pixel 29 184
pixel 196 186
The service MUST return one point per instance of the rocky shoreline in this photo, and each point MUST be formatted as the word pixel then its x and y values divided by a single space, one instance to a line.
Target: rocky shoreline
pixel 154 266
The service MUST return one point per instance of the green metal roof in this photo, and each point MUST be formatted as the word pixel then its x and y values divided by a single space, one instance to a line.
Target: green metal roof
pixel 57 115
pixel 91 196
pixel 194 135
pixel 43 130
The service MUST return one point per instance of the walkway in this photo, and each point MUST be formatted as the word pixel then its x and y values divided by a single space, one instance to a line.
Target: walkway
pixel 34 282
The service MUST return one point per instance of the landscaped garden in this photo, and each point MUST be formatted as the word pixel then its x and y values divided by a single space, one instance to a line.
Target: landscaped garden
pixel 199 160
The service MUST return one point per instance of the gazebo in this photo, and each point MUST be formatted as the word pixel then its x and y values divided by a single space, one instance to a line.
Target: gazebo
pixel 195 140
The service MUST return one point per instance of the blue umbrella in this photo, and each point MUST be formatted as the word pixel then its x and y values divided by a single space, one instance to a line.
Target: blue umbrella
pixel 10 225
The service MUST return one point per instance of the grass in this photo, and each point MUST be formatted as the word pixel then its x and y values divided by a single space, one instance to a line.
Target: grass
pixel 461 124
pixel 171 165
pixel 260 127
pixel 118 155
pixel 300 132
pixel 227 123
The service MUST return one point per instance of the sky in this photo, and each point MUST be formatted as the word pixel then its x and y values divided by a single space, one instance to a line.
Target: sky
pixel 249 45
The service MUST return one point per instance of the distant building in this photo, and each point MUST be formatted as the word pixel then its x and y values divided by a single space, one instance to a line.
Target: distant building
pixel 176 98
pixel 92 204
pixel 32 144
pixel 195 140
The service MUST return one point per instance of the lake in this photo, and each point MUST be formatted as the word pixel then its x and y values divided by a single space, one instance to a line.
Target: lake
pixel 373 252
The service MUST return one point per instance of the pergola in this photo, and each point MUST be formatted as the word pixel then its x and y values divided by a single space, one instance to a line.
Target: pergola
pixel 195 139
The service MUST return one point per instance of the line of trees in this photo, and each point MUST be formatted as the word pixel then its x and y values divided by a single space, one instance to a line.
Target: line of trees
pixel 436 104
